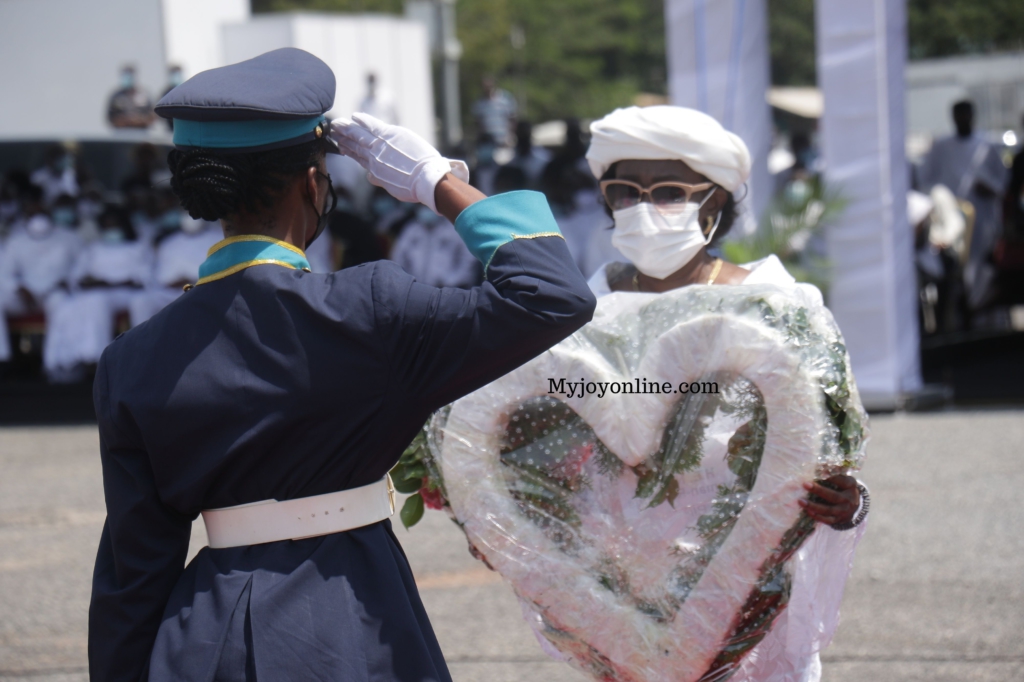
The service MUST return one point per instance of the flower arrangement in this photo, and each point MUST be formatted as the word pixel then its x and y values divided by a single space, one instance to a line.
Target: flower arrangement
pixel 650 533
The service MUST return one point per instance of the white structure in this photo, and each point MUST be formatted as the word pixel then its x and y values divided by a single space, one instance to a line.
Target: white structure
pixel 192 31
pixel 995 83
pixel 718 63
pixel 60 61
pixel 393 48
pixel 861 61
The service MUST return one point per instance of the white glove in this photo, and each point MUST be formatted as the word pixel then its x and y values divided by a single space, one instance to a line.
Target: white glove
pixel 395 158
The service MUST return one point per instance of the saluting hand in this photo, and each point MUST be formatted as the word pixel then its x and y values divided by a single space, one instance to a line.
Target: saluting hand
pixel 834 500
pixel 395 158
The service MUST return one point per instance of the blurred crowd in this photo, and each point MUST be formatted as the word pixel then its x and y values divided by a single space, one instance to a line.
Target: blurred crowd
pixel 967 212
pixel 80 262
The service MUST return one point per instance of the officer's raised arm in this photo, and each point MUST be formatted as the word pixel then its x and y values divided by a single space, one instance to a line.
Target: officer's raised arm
pixel 447 342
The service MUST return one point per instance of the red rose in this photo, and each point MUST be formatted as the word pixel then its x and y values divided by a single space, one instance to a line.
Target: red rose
pixel 432 499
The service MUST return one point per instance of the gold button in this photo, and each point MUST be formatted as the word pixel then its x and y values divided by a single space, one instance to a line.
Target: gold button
pixel 319 132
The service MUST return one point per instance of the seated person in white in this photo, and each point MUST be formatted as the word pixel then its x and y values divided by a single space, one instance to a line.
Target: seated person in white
pixel 107 274
pixel 430 250
pixel 57 175
pixel 668 175
pixel 178 257
pixel 34 268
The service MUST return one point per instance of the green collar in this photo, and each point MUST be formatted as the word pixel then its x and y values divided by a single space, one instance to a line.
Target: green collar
pixel 235 254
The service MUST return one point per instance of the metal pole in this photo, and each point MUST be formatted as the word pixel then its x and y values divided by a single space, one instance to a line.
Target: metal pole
pixel 517 37
pixel 451 53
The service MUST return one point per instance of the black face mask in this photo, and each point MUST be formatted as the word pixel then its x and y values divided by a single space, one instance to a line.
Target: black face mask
pixel 321 221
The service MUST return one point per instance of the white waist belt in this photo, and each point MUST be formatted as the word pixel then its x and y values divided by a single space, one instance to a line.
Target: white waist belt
pixel 306 517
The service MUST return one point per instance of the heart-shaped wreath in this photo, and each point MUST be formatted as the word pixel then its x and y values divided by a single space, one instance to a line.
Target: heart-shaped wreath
pixel 649 529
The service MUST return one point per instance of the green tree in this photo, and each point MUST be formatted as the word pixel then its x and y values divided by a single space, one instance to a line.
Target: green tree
pixel 580 58
pixel 940 28
pixel 585 57
pixel 791 36
pixel 936 28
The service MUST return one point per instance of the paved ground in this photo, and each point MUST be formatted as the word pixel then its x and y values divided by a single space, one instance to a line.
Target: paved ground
pixel 937 593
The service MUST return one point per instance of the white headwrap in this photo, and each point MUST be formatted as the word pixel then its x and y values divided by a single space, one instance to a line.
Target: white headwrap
pixel 674 133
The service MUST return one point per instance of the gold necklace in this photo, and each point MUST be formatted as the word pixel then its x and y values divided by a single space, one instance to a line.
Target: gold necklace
pixel 715 269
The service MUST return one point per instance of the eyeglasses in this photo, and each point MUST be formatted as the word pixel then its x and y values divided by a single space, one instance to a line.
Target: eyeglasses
pixel 620 194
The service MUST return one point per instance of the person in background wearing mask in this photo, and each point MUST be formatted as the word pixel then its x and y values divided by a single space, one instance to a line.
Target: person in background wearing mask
pixel 530 159
pixel 179 254
pixel 389 216
pixel 35 264
pixel 90 206
pixel 105 277
pixel 57 175
pixel 973 170
pixel 668 175
pixel 64 212
pixel 495 113
pixel 129 106
pixel 431 250
pixel 164 218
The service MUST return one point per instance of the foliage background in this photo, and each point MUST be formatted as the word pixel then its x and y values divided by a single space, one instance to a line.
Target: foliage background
pixel 583 58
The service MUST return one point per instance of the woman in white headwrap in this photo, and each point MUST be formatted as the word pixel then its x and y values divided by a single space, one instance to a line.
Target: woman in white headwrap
pixel 668 175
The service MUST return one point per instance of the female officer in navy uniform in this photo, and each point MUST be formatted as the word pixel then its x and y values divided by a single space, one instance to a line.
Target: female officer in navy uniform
pixel 266 382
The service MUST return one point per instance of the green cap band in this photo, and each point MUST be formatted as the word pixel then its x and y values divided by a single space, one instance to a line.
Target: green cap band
pixel 243 134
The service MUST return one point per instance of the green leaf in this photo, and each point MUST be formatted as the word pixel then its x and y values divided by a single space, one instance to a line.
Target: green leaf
pixel 667 493
pixel 646 482
pixel 412 511
pixel 418 470
pixel 407 485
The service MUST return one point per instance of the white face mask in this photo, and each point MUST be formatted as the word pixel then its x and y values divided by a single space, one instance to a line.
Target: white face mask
pixel 659 243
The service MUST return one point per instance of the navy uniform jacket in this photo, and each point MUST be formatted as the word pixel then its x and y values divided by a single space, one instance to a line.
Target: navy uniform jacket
pixel 277 383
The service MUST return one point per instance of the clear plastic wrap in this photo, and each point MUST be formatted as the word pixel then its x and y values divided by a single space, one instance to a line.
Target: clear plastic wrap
pixel 649 531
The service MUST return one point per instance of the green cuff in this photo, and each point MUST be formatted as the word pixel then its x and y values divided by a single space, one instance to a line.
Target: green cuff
pixel 489 224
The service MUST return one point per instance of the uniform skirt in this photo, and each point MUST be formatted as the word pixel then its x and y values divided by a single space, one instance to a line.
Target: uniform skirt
pixel 340 608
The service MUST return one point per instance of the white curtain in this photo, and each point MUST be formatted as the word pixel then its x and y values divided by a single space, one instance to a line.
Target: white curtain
pixel 861 59
pixel 718 63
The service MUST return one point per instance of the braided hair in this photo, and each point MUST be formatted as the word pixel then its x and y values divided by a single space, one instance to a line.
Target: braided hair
pixel 212 185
